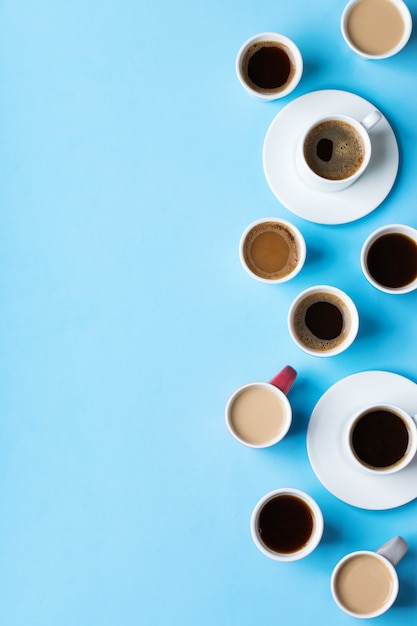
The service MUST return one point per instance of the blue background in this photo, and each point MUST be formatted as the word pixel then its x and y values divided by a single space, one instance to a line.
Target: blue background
pixel 131 161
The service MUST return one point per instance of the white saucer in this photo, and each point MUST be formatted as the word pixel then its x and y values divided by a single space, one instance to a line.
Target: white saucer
pixel 339 207
pixel 324 440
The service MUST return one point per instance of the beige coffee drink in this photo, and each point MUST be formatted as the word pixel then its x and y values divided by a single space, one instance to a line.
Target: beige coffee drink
pixel 271 250
pixel 375 26
pixel 364 584
pixel 257 414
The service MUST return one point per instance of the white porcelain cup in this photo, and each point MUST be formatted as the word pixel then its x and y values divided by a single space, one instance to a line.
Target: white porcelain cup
pixel 380 439
pixel 323 320
pixel 380 35
pixel 259 414
pixel 272 250
pixel 328 173
pixel 389 258
pixel 290 60
pixel 286 524
pixel 364 584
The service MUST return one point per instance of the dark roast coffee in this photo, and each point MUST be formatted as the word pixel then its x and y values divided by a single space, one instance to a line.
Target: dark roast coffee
pixel 321 321
pixel 285 524
pixel 268 66
pixel 380 438
pixel 334 150
pixel 392 260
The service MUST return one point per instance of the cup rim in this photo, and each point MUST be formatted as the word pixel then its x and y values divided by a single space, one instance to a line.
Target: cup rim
pixel 315 536
pixel 408 26
pixel 288 415
pixel 344 345
pixel 403 229
pixel 300 241
pixel 298 63
pixel 368 150
pixel 381 558
pixel 410 452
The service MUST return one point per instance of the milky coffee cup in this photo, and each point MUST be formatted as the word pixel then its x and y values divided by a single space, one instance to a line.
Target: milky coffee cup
pixel 272 250
pixel 335 151
pixel 389 258
pixel 364 584
pixel 258 414
pixel 286 524
pixel 380 439
pixel 269 66
pixel 323 320
pixel 376 29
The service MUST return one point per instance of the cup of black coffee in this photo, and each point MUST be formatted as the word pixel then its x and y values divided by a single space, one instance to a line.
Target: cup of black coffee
pixel 287 524
pixel 269 66
pixel 389 258
pixel 381 439
pixel 335 151
pixel 323 320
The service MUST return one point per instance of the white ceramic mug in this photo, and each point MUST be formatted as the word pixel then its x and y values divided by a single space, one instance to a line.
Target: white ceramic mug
pixel 310 339
pixel 362 128
pixel 276 518
pixel 364 584
pixel 259 414
pixel 285 256
pixel 379 446
pixel 292 53
pixel 374 24
pixel 393 261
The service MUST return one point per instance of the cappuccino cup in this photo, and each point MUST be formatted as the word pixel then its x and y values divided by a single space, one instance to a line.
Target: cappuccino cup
pixel 381 439
pixel 364 584
pixel 272 250
pixel 259 414
pixel 269 66
pixel 286 524
pixel 389 258
pixel 323 320
pixel 376 29
pixel 335 151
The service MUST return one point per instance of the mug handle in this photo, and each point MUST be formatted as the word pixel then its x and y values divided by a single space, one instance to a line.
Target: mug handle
pixel 371 119
pixel 284 379
pixel 393 550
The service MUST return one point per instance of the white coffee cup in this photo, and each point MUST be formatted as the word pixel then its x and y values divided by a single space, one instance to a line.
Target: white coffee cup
pixel 329 177
pixel 291 52
pixel 376 24
pixel 320 305
pixel 278 515
pixel 259 414
pixel 387 262
pixel 272 250
pixel 380 439
pixel 364 584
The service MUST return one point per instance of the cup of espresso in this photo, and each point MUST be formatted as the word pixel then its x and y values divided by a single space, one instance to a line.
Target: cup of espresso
pixel 269 66
pixel 335 151
pixel 286 524
pixel 381 439
pixel 272 250
pixel 323 320
pixel 364 584
pixel 389 258
pixel 376 29
pixel 258 414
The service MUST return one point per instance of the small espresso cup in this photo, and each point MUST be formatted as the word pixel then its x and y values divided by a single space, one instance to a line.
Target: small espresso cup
pixel 258 414
pixel 286 524
pixel 375 29
pixel 272 250
pixel 381 439
pixel 335 151
pixel 323 320
pixel 269 66
pixel 364 584
pixel 389 258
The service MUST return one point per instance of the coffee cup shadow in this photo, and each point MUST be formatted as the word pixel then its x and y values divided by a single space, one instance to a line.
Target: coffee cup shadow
pixel 407 595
